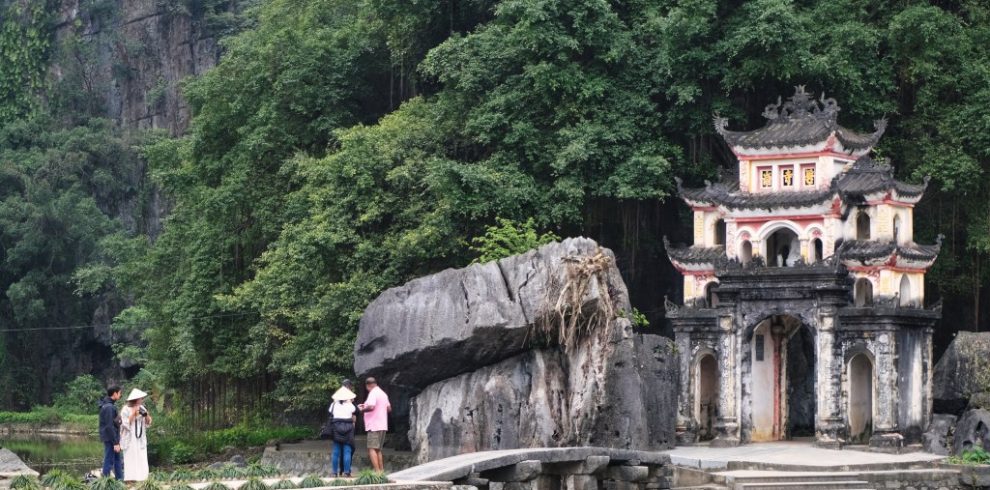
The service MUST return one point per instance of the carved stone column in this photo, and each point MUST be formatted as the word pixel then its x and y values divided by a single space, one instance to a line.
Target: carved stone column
pixel 686 428
pixel 885 434
pixel 727 427
pixel 828 425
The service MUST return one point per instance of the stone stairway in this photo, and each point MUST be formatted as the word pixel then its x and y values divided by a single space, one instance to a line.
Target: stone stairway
pixel 689 479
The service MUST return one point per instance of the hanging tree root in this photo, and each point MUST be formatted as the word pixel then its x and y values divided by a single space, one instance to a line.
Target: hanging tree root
pixel 563 317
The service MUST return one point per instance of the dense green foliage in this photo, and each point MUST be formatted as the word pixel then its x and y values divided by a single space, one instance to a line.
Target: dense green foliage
pixel 507 239
pixel 342 147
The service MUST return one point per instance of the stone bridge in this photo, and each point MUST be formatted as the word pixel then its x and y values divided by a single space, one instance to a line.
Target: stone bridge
pixel 578 468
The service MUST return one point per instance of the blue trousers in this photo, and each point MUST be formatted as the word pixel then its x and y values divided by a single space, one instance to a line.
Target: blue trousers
pixel 341 449
pixel 112 460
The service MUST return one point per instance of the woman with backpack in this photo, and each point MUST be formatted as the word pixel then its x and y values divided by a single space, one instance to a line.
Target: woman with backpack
pixel 342 419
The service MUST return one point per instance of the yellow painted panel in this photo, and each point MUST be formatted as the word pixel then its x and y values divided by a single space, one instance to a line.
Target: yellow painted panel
pixel 699 228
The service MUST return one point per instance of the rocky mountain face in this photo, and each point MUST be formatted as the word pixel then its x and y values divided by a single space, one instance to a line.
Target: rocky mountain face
pixel 465 360
pixel 131 55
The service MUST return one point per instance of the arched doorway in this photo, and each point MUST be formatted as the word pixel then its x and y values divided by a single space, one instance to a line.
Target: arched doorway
pixel 706 396
pixel 905 291
pixel 746 252
pixel 863 292
pixel 816 250
pixel 783 248
pixel 720 232
pixel 782 396
pixel 897 229
pixel 860 379
pixel 862 225
pixel 711 295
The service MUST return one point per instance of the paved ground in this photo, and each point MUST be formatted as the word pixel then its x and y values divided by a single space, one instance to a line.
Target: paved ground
pixel 793 454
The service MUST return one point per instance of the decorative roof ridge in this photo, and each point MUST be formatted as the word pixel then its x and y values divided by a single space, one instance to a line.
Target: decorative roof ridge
pixel 799 121
pixel 693 253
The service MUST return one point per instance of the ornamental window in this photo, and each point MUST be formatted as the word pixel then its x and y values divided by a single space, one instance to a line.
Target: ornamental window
pixel 808 176
pixel 766 178
pixel 787 177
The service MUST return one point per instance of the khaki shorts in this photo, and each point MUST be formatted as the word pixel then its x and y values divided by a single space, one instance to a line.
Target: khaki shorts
pixel 376 439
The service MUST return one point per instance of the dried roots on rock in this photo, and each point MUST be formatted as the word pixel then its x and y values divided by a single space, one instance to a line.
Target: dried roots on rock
pixel 565 318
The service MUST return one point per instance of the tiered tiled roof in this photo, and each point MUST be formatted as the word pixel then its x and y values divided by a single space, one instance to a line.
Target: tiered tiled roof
pixel 865 177
pixel 801 121
pixel 869 252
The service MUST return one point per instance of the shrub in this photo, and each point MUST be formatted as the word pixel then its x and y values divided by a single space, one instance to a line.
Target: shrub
pixel 182 486
pixel 253 484
pixel 257 469
pixel 25 482
pixel 159 476
pixel 216 486
pixel 80 395
pixel 370 477
pixel 311 481
pixel 149 484
pixel 230 471
pixel 284 485
pixel 340 482
pixel 181 475
pixel 60 480
pixel 976 456
pixel 207 474
pixel 107 483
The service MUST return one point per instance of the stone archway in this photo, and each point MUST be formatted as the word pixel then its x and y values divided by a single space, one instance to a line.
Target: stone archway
pixel 860 379
pixel 782 394
pixel 706 396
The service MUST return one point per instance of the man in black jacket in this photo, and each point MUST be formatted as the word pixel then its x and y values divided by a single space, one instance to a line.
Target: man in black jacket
pixel 110 434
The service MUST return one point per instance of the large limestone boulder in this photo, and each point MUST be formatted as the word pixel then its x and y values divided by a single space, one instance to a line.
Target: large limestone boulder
pixel 972 431
pixel 459 348
pixel 618 395
pixel 963 370
pixel 938 438
pixel 455 321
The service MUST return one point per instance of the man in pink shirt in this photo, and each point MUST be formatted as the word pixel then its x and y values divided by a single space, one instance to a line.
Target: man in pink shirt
pixel 376 409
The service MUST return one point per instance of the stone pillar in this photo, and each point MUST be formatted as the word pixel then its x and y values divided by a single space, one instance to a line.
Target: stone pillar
pixel 686 425
pixel 727 426
pixel 829 421
pixel 929 367
pixel 885 434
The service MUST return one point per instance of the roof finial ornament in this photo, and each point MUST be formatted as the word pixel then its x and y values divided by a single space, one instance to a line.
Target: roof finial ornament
pixel 772 111
pixel 800 103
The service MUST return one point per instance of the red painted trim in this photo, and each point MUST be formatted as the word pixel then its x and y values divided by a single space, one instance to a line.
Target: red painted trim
pixel 704 208
pixel 891 201
pixel 810 154
pixel 878 268
pixel 795 217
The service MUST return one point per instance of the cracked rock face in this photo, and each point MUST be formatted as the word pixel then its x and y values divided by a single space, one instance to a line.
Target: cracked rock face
pixel 622 398
pixel 454 348
pixel 963 371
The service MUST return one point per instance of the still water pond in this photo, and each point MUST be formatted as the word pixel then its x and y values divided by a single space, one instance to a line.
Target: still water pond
pixel 42 452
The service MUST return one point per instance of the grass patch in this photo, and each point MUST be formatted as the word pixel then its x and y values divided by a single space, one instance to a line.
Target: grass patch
pixel 972 457
pixel 49 416
pixel 371 477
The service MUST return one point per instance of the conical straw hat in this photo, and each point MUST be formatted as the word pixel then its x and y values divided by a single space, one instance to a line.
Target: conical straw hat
pixel 135 394
pixel 343 394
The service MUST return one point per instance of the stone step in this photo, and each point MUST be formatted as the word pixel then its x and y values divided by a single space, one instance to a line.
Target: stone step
pixel 812 485
pixel 797 476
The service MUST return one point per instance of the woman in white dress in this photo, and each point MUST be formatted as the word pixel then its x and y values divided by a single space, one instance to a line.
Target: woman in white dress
pixel 135 419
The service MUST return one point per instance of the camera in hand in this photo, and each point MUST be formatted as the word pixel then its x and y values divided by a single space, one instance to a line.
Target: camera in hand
pixel 143 411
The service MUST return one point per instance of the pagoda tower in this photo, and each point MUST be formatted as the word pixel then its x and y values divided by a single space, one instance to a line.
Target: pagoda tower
pixel 803 310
